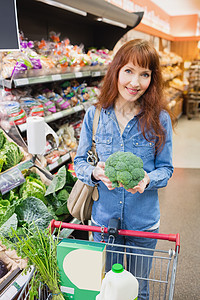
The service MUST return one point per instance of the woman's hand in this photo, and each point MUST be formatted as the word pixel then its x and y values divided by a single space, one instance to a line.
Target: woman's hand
pixel 99 174
pixel 141 185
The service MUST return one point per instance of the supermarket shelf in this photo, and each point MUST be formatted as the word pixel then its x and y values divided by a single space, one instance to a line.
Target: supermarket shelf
pixel 18 82
pixel 61 160
pixel 49 78
pixel 63 113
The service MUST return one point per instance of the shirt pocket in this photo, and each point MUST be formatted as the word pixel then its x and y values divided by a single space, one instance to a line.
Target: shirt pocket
pixel 143 148
pixel 103 145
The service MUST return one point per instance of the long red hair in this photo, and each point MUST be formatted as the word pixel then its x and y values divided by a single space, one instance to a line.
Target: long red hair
pixel 141 53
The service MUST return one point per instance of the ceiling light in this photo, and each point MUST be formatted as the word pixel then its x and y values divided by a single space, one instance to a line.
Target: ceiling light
pixel 63 6
pixel 108 21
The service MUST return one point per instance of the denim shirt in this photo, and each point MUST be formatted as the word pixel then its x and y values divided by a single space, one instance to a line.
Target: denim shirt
pixel 135 211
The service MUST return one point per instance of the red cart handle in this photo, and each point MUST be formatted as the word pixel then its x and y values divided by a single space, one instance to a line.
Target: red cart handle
pixel 159 236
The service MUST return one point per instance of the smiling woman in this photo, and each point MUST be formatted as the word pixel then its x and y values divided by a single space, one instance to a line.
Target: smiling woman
pixel 133 118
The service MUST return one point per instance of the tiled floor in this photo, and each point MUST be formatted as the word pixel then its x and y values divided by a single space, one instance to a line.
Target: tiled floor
pixel 180 207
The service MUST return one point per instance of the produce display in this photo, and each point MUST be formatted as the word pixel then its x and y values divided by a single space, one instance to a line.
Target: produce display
pixel 35 201
pixel 10 153
pixel 39 247
pixel 125 168
pixel 42 101
pixel 51 56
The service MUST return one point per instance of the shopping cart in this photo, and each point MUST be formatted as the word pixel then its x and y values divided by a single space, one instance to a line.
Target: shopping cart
pixel 161 280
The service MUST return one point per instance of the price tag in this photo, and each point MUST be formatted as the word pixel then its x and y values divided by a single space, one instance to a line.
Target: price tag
pixel 10 179
pixel 59 115
pixel 96 73
pixel 56 77
pixel 21 81
pixel 78 74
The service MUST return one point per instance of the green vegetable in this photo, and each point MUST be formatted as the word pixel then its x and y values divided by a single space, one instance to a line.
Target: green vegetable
pixel 39 246
pixel 34 175
pixel 12 153
pixel 62 196
pixel 125 168
pixel 58 181
pixel 2 161
pixel 33 210
pixel 58 201
pixel 4 204
pixel 6 227
pixel 5 215
pixel 33 187
pixel 62 209
pixel 12 196
pixel 2 138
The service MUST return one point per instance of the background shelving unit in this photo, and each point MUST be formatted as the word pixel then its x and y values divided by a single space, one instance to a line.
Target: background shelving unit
pixel 29 80
pixel 193 96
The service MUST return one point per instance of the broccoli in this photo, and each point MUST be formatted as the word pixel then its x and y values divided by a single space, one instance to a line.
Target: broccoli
pixel 125 168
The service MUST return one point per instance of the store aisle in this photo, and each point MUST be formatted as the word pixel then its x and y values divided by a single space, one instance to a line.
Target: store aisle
pixel 186 143
pixel 180 207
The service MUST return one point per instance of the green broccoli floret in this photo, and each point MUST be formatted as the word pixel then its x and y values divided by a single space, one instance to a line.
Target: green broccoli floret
pixel 125 168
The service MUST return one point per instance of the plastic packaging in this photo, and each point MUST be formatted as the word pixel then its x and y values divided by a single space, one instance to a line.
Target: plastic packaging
pixel 118 284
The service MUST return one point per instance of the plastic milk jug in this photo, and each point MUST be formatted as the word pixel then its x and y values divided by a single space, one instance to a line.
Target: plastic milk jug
pixel 118 284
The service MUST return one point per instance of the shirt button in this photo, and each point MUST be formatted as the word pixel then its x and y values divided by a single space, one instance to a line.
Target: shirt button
pixel 120 202
pixel 108 113
pixel 136 144
pixel 121 145
pixel 128 126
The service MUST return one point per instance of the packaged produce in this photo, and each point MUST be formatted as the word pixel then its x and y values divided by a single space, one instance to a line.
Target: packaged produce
pixel 48 105
pixel 66 137
pixel 15 112
pixel 58 100
pixel 32 107
pixel 82 92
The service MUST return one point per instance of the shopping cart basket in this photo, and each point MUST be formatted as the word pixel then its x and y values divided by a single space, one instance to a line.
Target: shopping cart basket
pixel 161 280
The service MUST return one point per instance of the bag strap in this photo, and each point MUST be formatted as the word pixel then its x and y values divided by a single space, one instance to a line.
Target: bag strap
pixel 95 125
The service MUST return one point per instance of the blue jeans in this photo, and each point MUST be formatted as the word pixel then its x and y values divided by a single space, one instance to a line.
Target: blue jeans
pixel 138 258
